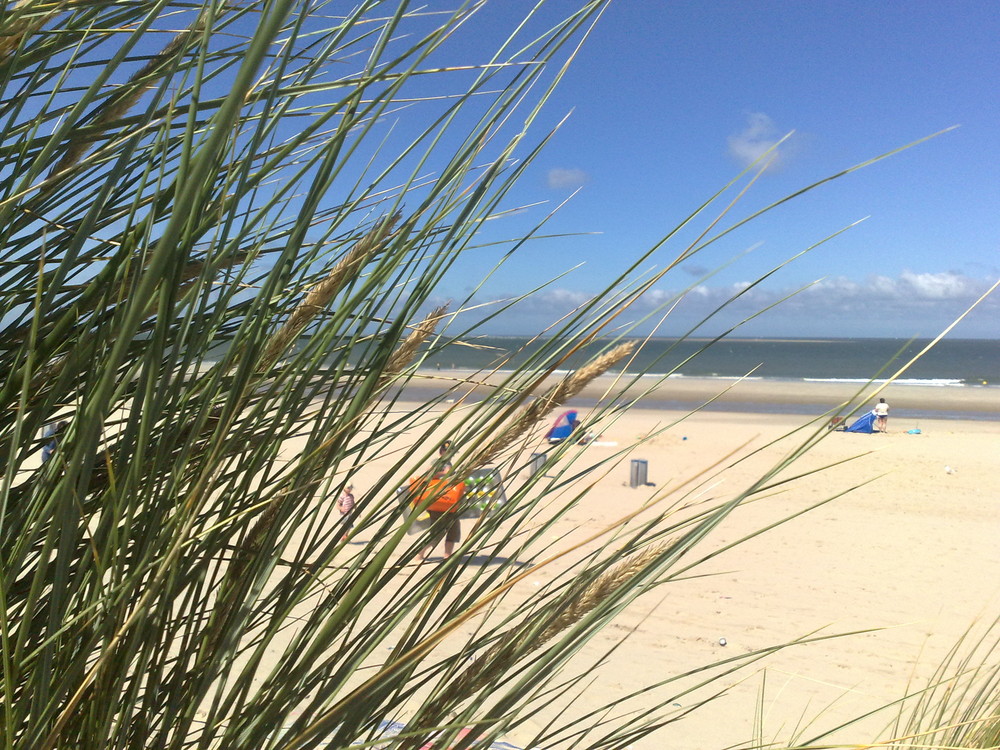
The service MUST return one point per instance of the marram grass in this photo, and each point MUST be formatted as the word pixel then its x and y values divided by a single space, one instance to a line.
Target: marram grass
pixel 224 229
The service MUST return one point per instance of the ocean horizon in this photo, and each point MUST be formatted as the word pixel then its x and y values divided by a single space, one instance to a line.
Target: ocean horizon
pixel 957 366
pixel 950 363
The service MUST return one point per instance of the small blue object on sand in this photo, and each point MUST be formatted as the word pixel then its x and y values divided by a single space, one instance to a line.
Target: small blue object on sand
pixel 914 431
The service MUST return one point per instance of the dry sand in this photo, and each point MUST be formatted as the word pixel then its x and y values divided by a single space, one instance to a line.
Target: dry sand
pixel 916 552
pixel 911 549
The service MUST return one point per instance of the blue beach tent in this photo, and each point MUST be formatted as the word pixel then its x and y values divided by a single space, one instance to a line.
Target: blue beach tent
pixel 563 427
pixel 864 423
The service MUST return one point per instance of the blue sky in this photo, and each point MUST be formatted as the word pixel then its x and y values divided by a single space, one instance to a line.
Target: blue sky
pixel 670 100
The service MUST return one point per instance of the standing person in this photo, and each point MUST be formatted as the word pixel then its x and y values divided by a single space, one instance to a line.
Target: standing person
pixel 345 504
pixel 53 432
pixel 443 464
pixel 881 415
pixel 444 510
pixel 444 517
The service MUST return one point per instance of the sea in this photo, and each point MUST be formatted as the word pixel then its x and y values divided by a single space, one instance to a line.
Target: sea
pixel 951 363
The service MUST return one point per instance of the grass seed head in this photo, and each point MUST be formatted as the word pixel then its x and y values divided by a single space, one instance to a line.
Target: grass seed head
pixel 517 642
pixel 322 293
pixel 409 346
pixel 528 418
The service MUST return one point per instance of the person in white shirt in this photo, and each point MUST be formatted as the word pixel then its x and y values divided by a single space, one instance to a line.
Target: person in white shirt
pixel 881 415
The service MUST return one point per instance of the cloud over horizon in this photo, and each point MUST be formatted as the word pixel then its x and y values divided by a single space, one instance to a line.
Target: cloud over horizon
pixel 878 306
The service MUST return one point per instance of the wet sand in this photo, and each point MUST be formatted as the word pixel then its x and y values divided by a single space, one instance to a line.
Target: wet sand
pixel 760 396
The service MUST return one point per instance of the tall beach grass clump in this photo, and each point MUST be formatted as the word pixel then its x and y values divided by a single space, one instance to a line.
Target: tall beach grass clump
pixel 224 227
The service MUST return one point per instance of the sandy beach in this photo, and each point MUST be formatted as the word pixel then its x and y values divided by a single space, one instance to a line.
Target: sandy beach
pixel 909 401
pixel 908 551
pixel 913 553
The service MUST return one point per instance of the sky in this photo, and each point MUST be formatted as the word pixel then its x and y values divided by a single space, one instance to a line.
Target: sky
pixel 669 101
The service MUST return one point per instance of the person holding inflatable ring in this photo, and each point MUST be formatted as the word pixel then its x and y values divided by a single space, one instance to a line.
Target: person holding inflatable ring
pixel 444 509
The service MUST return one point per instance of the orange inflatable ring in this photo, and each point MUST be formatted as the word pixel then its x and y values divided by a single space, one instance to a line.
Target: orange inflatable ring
pixel 447 496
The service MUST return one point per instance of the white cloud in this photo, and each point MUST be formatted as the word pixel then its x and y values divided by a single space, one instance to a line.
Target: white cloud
pixel 755 139
pixel 568 297
pixel 938 285
pixel 883 285
pixel 942 286
pixel 912 303
pixel 566 179
pixel 908 288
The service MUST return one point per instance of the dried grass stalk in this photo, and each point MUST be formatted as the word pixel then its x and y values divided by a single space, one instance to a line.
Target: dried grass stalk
pixel 22 27
pixel 558 394
pixel 117 106
pixel 400 358
pixel 322 293
pixel 408 348
pixel 517 642
pixel 598 590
